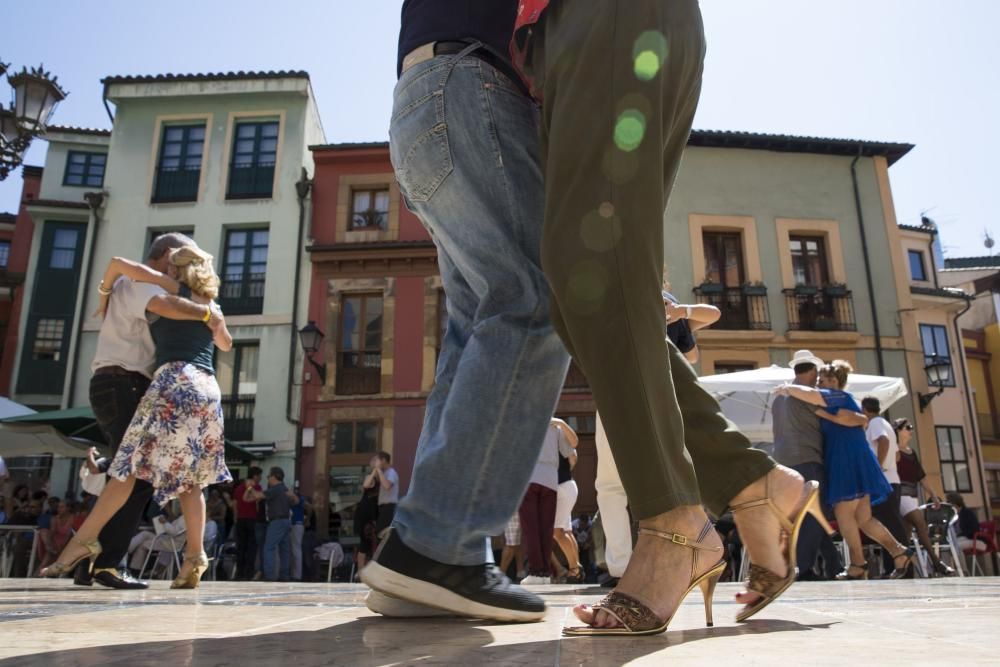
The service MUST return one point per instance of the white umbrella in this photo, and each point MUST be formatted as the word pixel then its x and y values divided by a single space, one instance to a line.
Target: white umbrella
pixel 31 439
pixel 745 397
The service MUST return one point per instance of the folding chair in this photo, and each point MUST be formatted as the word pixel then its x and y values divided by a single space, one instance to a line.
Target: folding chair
pixel 941 522
pixel 159 545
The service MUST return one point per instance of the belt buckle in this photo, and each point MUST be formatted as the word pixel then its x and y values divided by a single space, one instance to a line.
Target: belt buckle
pixel 418 55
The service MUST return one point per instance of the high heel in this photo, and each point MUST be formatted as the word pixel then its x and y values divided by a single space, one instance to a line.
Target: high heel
pixel 847 576
pixel 198 566
pixel 638 619
pixel 901 572
pixel 765 583
pixel 58 569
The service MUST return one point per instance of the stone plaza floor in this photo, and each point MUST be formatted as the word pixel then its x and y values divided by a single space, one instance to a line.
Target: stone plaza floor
pixel 911 622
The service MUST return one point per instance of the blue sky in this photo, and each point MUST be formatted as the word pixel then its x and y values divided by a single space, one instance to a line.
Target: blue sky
pixel 919 71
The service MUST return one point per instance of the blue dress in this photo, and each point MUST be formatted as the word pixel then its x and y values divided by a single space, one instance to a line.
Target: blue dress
pixel 851 468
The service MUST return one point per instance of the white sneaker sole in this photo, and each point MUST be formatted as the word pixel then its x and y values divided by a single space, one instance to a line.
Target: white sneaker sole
pixel 393 584
pixel 393 607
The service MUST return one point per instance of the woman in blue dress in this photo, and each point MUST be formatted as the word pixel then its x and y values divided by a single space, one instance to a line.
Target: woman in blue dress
pixel 855 480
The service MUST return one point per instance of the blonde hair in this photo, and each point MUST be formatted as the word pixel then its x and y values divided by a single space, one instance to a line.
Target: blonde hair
pixel 838 369
pixel 194 269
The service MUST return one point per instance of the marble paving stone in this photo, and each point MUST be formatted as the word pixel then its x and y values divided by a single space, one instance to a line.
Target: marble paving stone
pixel 916 622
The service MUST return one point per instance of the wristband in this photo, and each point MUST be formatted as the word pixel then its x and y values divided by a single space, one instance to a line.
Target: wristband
pixel 687 309
pixel 208 315
pixel 104 291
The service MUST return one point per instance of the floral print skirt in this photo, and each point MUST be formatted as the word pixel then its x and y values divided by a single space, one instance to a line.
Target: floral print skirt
pixel 175 441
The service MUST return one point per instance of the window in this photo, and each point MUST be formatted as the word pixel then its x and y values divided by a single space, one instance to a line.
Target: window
pixel 370 209
pixel 916 259
pixel 723 258
pixel 359 353
pixel 243 272
pixel 934 338
pixel 157 233
pixel 236 371
pixel 255 151
pixel 48 340
pixel 63 254
pixel 179 168
pixel 85 169
pixel 724 367
pixel 361 437
pixel 809 260
pixel 4 254
pixel 954 460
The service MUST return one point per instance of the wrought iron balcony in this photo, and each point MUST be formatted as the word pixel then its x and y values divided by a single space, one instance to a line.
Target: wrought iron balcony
pixel 811 308
pixel 250 182
pixel 359 373
pixel 242 294
pixel 238 411
pixel 743 308
pixel 174 184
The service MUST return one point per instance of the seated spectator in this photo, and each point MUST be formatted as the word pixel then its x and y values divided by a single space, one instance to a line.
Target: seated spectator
pixel 968 524
pixel 26 515
pixel 55 537
pixel 168 524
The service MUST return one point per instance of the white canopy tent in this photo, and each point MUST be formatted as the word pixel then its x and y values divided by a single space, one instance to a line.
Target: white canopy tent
pixel 746 396
pixel 9 408
pixel 34 439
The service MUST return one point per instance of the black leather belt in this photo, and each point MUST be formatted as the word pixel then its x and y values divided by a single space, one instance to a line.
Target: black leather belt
pixel 450 48
pixel 115 370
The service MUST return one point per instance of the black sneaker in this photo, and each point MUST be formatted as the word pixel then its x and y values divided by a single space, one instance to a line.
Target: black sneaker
pixel 477 591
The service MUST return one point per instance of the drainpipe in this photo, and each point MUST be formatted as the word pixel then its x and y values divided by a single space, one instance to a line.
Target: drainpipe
pixel 302 188
pixel 971 407
pixel 868 265
pixel 94 200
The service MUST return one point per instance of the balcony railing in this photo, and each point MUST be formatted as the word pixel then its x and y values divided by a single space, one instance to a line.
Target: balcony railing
pixel 820 309
pixel 242 294
pixel 174 184
pixel 575 379
pixel 359 376
pixel 250 182
pixel 237 411
pixel 743 308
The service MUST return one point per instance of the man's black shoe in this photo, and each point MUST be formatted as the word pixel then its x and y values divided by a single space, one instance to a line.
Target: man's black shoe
pixel 81 575
pixel 121 580
pixel 478 591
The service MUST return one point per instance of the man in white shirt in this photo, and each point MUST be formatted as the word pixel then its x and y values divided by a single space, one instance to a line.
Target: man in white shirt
pixel 882 439
pixel 387 479
pixel 123 367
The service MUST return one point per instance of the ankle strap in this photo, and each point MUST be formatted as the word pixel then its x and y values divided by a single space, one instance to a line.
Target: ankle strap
pixel 765 502
pixel 683 541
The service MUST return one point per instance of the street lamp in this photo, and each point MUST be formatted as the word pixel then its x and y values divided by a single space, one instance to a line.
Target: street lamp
pixel 938 371
pixel 311 338
pixel 35 95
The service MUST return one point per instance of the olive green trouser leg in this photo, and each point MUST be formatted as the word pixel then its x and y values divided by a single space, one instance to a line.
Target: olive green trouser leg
pixel 621 80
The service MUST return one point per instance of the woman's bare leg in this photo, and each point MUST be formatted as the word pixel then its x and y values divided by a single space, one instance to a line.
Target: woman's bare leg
pixel 848 527
pixel 110 501
pixel 193 509
pixel 567 544
pixel 874 529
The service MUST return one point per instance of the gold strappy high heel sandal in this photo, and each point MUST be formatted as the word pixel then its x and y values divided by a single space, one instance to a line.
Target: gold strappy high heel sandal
pixel 762 581
pixel 638 619
pixel 58 569
pixel 193 579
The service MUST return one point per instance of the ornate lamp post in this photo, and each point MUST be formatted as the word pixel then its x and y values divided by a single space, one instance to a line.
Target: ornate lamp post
pixel 35 95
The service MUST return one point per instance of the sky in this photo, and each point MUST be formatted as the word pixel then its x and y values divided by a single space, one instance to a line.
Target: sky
pixel 918 71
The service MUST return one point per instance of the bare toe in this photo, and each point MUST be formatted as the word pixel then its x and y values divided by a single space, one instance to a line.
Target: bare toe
pixel 585 613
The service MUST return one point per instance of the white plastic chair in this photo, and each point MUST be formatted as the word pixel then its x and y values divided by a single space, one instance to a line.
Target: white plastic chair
pixel 159 545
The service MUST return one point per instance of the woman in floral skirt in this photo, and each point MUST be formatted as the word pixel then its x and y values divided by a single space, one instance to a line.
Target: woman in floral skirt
pixel 175 440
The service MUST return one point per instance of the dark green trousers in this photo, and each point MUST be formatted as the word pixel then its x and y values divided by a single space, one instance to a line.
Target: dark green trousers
pixel 621 80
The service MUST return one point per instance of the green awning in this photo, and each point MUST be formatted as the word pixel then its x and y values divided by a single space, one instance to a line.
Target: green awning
pixel 236 453
pixel 72 422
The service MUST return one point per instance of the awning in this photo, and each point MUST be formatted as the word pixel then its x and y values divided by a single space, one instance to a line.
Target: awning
pixel 72 422
pixel 235 452
pixel 33 439
pixel 9 408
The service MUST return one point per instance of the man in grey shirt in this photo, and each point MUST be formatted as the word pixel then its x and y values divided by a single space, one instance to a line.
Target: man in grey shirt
pixel 278 501
pixel 798 444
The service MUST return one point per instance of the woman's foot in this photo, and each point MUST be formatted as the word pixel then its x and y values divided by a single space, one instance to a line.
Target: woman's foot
pixel 854 572
pixel 902 562
pixel 659 572
pixel 760 529
pixel 943 570
pixel 74 552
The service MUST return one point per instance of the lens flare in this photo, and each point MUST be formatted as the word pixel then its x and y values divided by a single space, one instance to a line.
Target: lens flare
pixel 630 128
pixel 649 53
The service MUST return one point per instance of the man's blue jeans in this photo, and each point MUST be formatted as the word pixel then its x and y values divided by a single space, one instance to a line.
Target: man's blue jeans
pixel 464 145
pixel 278 539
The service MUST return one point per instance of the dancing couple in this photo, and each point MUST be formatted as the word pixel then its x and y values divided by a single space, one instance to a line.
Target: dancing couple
pixel 549 226
pixel 173 444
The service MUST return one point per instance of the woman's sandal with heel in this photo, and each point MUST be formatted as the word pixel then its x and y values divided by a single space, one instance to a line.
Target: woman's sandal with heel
pixel 638 619
pixel 58 569
pixel 765 583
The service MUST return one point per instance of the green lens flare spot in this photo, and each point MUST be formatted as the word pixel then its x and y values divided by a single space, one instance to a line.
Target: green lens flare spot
pixel 647 65
pixel 630 128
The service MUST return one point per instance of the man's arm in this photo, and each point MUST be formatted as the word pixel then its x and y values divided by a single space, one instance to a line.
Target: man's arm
pixel 805 394
pixel 883 450
pixel 385 481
